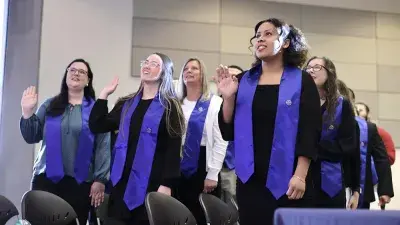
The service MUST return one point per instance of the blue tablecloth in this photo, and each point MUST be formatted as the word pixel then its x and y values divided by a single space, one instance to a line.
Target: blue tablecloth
pixel 287 216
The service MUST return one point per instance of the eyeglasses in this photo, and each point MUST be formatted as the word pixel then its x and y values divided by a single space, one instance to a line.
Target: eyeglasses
pixel 80 72
pixel 316 68
pixel 151 64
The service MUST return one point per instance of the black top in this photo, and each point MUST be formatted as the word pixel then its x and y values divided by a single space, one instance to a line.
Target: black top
pixel 166 163
pixel 345 148
pixel 264 110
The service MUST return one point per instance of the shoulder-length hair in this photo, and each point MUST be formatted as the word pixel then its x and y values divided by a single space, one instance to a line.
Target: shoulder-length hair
pixel 182 89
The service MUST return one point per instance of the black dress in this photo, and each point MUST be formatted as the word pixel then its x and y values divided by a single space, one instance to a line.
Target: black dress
pixel 256 203
pixel 345 149
pixel 166 163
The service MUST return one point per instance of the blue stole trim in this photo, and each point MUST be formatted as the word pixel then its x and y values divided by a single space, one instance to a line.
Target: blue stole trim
pixel 54 161
pixel 331 173
pixel 136 188
pixel 285 133
pixel 194 134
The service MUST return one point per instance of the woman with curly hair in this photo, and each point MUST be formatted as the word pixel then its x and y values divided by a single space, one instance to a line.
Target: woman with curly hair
pixel 272 114
pixel 339 139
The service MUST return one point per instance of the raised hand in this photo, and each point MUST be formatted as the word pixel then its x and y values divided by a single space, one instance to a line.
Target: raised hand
pixel 227 84
pixel 109 89
pixel 28 101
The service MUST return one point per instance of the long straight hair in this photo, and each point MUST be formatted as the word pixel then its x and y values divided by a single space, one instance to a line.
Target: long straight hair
pixel 182 89
pixel 167 97
pixel 330 87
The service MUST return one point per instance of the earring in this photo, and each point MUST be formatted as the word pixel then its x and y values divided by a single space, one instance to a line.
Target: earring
pixel 87 84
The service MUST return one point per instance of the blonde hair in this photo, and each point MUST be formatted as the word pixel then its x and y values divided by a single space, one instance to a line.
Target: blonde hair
pixel 181 87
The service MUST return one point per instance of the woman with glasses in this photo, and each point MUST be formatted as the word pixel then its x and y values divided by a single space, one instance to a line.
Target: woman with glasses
pixel 272 114
pixel 147 150
pixel 72 162
pixel 339 139
pixel 203 147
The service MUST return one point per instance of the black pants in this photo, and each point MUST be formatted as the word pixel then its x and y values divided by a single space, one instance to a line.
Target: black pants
pixel 365 205
pixel 338 201
pixel 190 188
pixel 257 205
pixel 69 190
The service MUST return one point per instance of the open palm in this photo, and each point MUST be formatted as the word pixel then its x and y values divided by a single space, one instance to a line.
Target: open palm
pixel 28 101
pixel 109 88
pixel 227 84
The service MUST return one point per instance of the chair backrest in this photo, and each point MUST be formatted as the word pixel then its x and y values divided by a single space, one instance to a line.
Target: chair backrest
pixel 217 212
pixel 7 210
pixel 44 208
pixel 102 210
pixel 166 210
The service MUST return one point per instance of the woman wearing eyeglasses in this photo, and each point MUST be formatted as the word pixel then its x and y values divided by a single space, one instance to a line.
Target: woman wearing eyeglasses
pixel 147 150
pixel 339 139
pixel 72 162
pixel 203 147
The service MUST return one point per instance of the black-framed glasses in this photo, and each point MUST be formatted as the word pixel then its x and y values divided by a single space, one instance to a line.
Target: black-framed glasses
pixel 80 72
pixel 151 64
pixel 316 68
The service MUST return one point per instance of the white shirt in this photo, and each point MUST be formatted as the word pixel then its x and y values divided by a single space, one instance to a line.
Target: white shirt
pixel 212 139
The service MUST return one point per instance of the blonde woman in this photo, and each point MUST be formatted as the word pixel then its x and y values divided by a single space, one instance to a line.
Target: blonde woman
pixel 203 147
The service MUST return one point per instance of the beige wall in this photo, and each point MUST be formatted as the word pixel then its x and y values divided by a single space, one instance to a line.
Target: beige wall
pixel 115 35
pixel 364 45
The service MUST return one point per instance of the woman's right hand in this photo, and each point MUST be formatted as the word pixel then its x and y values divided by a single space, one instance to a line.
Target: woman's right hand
pixel 227 84
pixel 28 101
pixel 109 89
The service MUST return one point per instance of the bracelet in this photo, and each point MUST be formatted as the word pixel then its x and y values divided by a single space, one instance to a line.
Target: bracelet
pixel 299 178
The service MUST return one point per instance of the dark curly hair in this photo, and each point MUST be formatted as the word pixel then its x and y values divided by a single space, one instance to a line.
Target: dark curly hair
pixel 330 87
pixel 296 54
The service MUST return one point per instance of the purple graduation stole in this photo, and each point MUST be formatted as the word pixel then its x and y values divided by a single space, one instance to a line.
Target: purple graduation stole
pixel 230 156
pixel 364 150
pixel 331 173
pixel 374 174
pixel 54 161
pixel 194 135
pixel 141 168
pixel 285 133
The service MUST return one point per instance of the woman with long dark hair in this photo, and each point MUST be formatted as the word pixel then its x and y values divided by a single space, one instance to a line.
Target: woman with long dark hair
pixel 272 114
pixel 147 149
pixel 72 162
pixel 339 139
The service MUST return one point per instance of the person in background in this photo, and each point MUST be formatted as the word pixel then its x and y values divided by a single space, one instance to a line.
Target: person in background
pixel 147 149
pixel 272 113
pixel 72 162
pixel 372 154
pixel 203 147
pixel 228 175
pixel 338 139
pixel 364 112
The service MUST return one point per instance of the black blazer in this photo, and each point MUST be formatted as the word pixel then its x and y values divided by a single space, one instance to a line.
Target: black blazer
pixel 377 150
